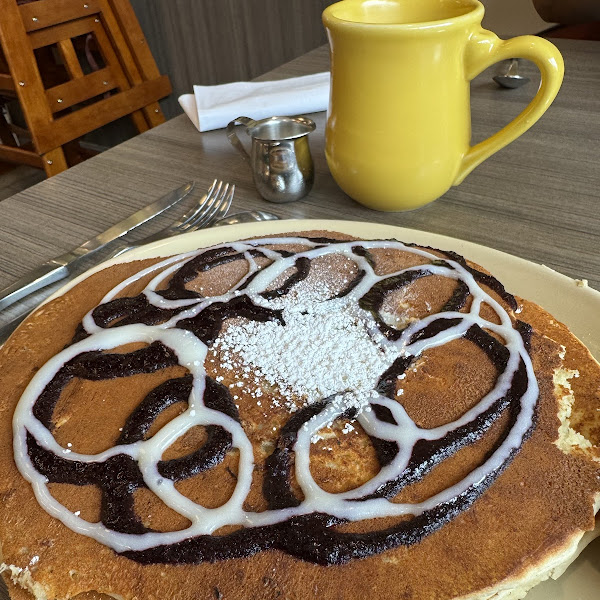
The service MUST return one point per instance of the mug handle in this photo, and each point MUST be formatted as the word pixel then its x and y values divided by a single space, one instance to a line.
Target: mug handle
pixel 486 48
pixel 234 139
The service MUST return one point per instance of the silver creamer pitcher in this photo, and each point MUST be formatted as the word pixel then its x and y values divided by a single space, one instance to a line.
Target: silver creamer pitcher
pixel 280 157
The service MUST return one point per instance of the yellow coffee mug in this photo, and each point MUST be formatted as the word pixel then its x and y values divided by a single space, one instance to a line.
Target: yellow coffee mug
pixel 399 123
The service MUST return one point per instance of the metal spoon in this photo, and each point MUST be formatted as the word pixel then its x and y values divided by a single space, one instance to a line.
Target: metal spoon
pixel 511 78
pixel 248 216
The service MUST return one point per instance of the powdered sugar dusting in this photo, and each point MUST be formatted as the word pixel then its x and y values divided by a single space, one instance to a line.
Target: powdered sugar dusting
pixel 325 349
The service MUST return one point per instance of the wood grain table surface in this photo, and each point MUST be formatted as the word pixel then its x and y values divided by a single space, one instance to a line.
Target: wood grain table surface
pixel 539 198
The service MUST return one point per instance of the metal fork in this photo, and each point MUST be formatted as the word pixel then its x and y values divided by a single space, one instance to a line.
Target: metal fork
pixel 211 207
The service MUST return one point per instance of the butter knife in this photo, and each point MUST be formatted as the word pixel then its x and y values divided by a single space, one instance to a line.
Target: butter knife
pixel 58 268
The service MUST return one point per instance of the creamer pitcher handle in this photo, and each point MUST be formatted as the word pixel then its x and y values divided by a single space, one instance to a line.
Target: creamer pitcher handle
pixel 485 49
pixel 233 138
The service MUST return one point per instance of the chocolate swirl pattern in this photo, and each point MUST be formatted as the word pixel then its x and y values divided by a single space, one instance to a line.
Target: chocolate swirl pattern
pixel 179 326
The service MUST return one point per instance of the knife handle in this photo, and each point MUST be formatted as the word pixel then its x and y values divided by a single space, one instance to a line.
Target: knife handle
pixel 36 279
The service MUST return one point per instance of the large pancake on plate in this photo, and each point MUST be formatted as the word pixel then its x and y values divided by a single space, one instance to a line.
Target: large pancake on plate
pixel 309 417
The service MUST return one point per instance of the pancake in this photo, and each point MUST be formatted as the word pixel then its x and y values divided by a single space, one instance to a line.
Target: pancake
pixel 310 416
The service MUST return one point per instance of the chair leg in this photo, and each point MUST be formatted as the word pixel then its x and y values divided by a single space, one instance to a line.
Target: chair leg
pixel 154 114
pixel 139 120
pixel 54 162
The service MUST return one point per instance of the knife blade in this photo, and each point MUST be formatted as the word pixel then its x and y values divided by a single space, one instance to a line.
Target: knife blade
pixel 58 267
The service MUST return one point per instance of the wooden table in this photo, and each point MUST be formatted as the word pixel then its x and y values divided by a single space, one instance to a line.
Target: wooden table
pixel 539 198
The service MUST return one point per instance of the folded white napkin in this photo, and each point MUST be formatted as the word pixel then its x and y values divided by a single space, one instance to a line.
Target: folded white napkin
pixel 213 106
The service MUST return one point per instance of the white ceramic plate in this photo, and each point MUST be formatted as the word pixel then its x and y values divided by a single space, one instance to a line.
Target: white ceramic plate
pixel 576 306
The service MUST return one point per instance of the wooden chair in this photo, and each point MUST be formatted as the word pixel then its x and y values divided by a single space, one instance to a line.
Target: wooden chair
pixel 62 97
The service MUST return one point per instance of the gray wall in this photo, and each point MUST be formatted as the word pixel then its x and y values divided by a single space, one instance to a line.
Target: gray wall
pixel 217 41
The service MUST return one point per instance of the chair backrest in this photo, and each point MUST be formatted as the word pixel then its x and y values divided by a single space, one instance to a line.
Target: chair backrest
pixel 104 68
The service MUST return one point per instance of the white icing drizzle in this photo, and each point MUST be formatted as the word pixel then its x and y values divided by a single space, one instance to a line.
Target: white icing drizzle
pixel 191 353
